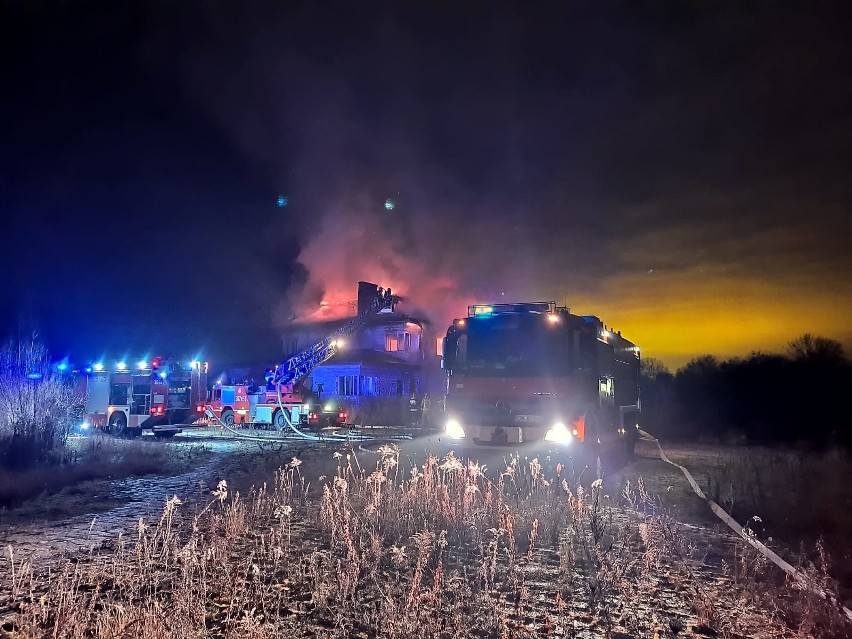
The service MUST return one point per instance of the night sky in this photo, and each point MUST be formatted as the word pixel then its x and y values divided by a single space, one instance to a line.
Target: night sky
pixel 681 169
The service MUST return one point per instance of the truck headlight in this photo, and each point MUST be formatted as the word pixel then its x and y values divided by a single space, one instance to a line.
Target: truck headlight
pixel 454 429
pixel 559 434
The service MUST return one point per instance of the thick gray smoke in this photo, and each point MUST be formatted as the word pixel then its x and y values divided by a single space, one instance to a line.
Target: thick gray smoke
pixel 531 158
pixel 372 194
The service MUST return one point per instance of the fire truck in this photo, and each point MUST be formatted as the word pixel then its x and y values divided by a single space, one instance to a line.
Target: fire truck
pixel 244 404
pixel 157 395
pixel 284 401
pixel 535 371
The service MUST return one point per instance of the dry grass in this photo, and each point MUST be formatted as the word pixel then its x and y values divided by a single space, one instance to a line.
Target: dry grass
pixel 449 549
pixel 85 459
pixel 801 498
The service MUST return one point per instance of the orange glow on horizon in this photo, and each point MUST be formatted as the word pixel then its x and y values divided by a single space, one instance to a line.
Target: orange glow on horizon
pixel 677 317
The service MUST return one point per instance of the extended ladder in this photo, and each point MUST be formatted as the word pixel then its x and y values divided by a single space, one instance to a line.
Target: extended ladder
pixel 302 363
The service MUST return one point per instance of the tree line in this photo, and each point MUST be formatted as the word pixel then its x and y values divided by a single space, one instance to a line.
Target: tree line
pixel 797 396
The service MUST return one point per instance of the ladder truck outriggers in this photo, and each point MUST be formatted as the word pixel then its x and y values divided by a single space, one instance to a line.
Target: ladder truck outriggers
pixel 535 371
pixel 284 402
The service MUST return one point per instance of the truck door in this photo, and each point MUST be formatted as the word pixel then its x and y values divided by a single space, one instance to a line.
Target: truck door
pixel 141 401
pixel 97 395
pixel 119 392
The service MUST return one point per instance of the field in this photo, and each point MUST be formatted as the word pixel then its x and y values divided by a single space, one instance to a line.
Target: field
pixel 419 540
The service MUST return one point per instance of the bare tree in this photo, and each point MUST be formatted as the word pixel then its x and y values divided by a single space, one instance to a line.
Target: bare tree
pixel 652 368
pixel 36 402
pixel 815 348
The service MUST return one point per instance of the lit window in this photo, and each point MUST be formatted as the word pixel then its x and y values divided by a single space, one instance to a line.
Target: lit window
pixel 398 342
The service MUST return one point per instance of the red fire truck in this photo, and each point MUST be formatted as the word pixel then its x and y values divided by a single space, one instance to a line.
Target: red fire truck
pixel 284 401
pixel 535 371
pixel 157 395
pixel 245 405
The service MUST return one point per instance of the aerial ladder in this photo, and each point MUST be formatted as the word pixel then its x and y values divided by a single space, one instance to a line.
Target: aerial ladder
pixel 282 395
pixel 301 364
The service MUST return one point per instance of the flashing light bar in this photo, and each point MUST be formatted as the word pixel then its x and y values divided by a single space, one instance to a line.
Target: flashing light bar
pixel 525 307
pixel 123 366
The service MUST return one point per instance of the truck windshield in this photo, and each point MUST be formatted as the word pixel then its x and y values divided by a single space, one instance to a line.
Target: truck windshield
pixel 514 346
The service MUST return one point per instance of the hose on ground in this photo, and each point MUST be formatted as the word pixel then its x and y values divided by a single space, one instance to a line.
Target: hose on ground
pixel 299 434
pixel 796 575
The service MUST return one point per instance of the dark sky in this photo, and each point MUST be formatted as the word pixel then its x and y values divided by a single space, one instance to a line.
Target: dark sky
pixel 680 169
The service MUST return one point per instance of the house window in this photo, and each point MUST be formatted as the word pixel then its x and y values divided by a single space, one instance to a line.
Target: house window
pixel 347 385
pixel 369 386
pixel 395 342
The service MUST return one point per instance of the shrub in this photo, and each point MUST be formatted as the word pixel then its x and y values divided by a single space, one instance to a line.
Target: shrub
pixel 36 405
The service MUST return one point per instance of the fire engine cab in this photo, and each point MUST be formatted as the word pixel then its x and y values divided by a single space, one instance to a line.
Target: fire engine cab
pixel 535 371
pixel 156 395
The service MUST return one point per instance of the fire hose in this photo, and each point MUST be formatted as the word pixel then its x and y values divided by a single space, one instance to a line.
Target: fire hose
pixel 796 575
pixel 298 432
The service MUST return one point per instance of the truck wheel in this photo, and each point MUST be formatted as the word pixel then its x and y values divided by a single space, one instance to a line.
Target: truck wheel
pixel 228 417
pixel 117 424
pixel 279 420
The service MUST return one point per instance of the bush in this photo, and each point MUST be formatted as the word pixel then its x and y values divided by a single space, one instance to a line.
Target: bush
pixel 36 405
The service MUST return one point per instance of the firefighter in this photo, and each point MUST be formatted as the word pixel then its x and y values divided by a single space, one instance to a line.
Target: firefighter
pixel 414 410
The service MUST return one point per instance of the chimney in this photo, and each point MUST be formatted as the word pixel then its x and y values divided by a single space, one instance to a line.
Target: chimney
pixel 367 293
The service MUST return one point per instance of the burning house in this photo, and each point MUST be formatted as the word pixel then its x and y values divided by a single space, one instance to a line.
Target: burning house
pixel 376 370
